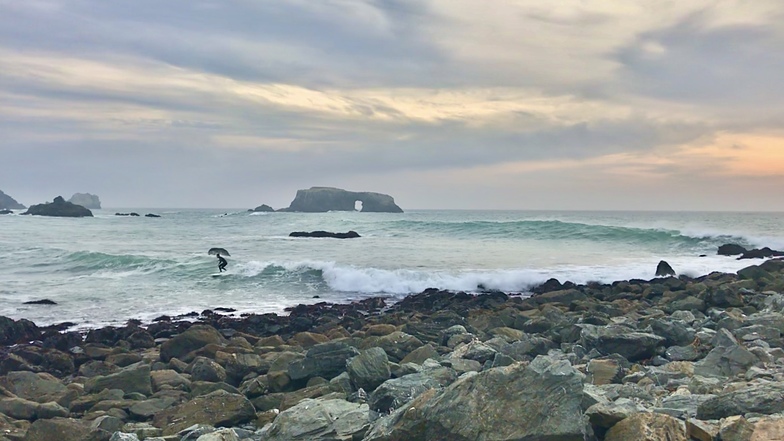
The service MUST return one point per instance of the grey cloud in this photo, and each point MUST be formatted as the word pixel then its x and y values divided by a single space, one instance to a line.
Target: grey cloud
pixel 233 38
pixel 737 65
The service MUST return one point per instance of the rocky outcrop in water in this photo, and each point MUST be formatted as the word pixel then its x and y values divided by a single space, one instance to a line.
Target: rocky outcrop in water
pixel 263 208
pixel 7 202
pixel 324 199
pixel 86 200
pixel 674 358
pixel 59 208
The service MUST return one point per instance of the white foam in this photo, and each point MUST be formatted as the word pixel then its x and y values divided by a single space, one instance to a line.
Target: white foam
pixel 368 280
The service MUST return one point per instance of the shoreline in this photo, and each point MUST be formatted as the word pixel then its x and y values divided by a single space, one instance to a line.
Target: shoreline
pixel 676 354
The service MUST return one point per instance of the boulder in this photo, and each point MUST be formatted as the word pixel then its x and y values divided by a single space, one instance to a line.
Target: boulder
pixel 727 359
pixel 369 369
pixel 396 392
pixel 60 429
pixel 40 387
pixel 324 199
pixel 7 202
pixel 134 378
pixel 630 344
pixel 320 419
pixel 540 401
pixel 219 408
pixel 347 235
pixel 86 200
pixel 731 249
pixel 17 331
pixel 325 360
pixel 606 415
pixel 647 427
pixel 204 369
pixel 196 337
pixel 760 398
pixel 59 208
pixel 664 269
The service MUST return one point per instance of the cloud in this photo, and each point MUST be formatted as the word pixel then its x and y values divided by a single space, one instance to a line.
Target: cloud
pixel 126 99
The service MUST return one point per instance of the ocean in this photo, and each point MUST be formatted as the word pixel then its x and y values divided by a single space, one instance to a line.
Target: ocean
pixel 108 269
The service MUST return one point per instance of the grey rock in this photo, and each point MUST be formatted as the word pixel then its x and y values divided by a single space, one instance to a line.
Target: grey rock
pixel 38 387
pixel 168 379
pixel 134 378
pixel 538 401
pixel 19 408
pixel 369 369
pixel 764 398
pixel 147 408
pixel 225 434
pixel 727 359
pixel 685 404
pixel 195 337
pixel 607 414
pixel 108 423
pixel 60 429
pixel 218 408
pixel 630 344
pixel 398 345
pixel 121 436
pixel 647 426
pixel 396 392
pixel 205 369
pixel 320 420
pixel 682 353
pixel 675 333
pixel 326 360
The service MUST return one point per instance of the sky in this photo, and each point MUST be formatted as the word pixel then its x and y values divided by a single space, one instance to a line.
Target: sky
pixel 444 104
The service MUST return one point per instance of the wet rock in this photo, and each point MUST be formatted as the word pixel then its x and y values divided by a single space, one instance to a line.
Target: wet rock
pixel 664 269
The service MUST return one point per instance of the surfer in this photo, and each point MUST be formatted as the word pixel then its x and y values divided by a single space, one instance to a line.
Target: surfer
pixel 221 263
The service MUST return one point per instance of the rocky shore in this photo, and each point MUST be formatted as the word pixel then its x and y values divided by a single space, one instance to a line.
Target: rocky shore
pixel 673 358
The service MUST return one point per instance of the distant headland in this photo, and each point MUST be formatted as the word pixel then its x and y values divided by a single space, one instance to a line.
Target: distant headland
pixel 9 203
pixel 86 200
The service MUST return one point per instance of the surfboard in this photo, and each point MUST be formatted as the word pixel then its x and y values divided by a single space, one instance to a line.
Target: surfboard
pixel 220 274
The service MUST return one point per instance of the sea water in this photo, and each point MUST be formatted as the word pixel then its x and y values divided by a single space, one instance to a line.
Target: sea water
pixel 108 269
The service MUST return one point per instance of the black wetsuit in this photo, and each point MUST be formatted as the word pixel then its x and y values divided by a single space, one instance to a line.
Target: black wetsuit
pixel 221 263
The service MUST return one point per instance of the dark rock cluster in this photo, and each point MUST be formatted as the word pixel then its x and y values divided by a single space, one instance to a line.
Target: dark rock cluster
pixel 672 358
